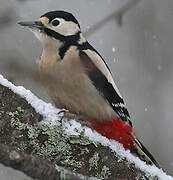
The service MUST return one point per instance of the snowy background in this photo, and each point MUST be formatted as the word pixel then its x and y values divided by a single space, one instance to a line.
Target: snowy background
pixel 139 54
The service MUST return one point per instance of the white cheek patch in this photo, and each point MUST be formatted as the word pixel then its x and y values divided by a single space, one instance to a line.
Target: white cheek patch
pixel 65 28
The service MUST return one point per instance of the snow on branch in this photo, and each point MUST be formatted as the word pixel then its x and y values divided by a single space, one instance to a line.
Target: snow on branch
pixel 75 131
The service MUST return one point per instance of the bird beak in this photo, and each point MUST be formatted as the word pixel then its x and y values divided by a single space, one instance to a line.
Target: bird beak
pixel 33 24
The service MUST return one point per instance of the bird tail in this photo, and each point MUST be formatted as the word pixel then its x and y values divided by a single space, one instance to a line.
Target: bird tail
pixel 141 152
pixel 124 134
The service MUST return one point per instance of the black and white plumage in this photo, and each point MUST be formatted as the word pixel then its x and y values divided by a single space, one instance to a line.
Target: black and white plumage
pixel 99 74
pixel 103 81
pixel 78 79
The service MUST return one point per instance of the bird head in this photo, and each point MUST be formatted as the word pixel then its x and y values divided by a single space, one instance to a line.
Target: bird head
pixel 54 25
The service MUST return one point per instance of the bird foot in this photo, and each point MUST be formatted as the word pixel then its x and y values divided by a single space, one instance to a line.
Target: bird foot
pixel 68 115
pixel 78 118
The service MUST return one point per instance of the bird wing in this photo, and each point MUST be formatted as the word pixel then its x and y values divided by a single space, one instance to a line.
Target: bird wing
pixel 101 77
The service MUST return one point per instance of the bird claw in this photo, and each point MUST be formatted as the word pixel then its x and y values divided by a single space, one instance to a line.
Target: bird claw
pixel 62 111
pixel 77 118
pixel 68 115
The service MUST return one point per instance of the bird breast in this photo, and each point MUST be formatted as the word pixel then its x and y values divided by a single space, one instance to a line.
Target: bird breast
pixel 69 87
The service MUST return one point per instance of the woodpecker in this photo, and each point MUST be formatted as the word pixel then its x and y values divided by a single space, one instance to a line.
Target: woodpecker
pixel 78 79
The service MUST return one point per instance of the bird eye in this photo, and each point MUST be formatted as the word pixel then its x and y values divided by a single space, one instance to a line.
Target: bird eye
pixel 55 22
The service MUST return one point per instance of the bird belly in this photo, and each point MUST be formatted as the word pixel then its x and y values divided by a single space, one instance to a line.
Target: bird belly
pixel 79 96
pixel 70 88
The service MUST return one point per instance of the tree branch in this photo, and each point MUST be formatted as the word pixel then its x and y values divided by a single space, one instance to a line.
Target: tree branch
pixel 118 15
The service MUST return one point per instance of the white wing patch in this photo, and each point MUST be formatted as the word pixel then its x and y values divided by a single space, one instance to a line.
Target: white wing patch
pixel 97 60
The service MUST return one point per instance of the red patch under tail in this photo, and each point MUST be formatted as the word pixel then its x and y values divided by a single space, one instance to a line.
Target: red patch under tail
pixel 117 130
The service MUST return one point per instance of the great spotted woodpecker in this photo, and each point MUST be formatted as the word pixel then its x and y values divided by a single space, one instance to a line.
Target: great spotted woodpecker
pixel 78 79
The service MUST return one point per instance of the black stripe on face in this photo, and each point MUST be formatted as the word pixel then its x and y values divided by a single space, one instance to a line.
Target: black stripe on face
pixel 104 87
pixel 67 41
pixel 54 34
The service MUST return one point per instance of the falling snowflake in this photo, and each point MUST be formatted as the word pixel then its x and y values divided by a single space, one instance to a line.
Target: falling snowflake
pixel 159 67
pixel 113 49
pixel 146 109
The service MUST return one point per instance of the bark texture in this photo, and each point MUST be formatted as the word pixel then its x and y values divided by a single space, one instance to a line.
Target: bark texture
pixel 45 152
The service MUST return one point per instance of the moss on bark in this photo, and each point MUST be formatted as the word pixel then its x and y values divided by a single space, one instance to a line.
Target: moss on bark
pixel 40 147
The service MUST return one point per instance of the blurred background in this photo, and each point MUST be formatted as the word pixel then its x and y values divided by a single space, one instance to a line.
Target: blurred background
pixel 135 39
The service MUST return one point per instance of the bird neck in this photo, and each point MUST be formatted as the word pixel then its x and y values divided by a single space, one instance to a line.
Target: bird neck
pixel 68 41
pixel 60 45
pixel 82 39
